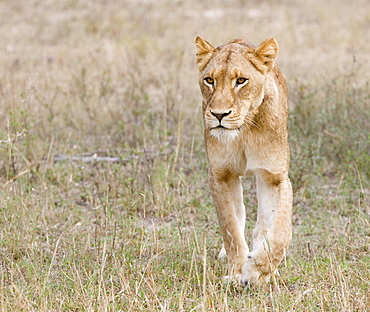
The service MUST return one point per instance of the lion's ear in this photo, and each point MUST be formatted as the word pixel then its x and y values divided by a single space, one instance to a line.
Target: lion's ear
pixel 204 52
pixel 266 54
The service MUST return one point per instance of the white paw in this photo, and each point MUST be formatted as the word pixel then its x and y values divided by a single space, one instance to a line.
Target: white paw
pixel 251 275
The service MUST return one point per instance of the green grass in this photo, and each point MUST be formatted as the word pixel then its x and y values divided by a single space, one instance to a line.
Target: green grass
pixel 141 234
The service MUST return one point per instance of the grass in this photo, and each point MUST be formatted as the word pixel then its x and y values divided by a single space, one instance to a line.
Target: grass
pixel 118 80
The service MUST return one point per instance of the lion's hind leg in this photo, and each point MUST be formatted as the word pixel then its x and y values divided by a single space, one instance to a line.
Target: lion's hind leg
pixel 222 254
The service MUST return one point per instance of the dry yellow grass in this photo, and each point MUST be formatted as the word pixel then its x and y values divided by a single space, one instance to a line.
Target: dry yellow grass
pixel 118 79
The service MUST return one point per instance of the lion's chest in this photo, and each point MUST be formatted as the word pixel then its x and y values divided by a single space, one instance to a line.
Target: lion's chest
pixel 240 159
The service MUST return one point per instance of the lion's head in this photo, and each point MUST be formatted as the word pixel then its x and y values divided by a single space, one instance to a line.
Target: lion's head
pixel 232 80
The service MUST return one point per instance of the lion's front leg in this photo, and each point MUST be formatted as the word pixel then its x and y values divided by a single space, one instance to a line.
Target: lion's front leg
pixel 273 231
pixel 227 195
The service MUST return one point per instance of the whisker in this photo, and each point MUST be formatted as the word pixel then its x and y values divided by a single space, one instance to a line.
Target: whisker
pixel 252 123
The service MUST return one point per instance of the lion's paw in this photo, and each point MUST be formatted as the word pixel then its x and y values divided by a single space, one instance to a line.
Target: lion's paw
pixel 252 276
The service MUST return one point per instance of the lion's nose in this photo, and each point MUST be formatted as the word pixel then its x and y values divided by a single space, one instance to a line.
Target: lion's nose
pixel 219 116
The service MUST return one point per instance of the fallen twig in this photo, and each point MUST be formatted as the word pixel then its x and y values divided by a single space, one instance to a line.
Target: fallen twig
pixel 114 159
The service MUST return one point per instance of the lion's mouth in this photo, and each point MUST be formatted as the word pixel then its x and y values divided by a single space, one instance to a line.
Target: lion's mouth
pixel 220 127
pixel 224 128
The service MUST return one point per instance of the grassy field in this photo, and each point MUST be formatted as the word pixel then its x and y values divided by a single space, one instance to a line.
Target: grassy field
pixel 105 204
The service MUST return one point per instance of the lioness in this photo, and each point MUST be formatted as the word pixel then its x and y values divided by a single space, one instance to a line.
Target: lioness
pixel 245 130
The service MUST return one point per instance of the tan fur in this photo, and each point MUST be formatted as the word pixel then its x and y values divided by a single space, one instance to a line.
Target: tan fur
pixel 245 93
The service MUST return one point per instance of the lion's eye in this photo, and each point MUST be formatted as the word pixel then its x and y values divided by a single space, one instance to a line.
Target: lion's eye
pixel 241 81
pixel 209 81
